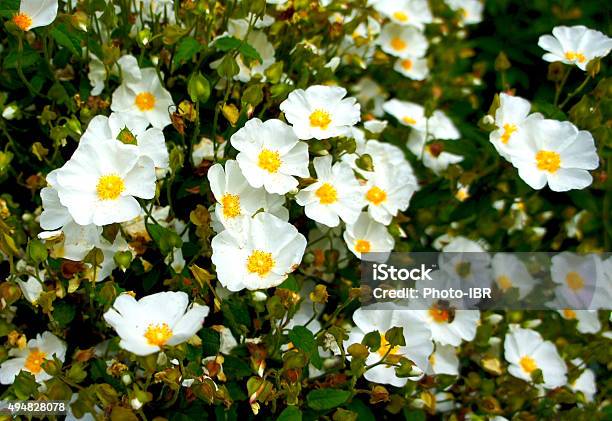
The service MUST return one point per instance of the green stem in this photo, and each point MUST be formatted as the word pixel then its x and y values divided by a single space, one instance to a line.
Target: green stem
pixel 576 92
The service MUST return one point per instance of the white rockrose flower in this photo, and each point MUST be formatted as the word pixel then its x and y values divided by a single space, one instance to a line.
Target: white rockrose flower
pixel 443 360
pixel 335 195
pixel 40 349
pixel 576 45
pixel 402 41
pixel 406 12
pixel 412 67
pixel 526 352
pixel 102 180
pixel 321 112
pixel 510 119
pixel 470 11
pixel 368 236
pixel 236 199
pixel 588 320
pixel 35 13
pixel 417 337
pixel 144 98
pixel 407 113
pixel 270 155
pixel 154 321
pixel 261 256
pixel 556 153
pixel 509 272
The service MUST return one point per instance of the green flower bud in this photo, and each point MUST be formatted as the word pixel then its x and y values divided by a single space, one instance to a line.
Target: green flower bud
pixel 37 251
pixel 123 259
pixel 198 88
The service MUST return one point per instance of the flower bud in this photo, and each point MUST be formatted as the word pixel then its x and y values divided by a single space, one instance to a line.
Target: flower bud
pixel 198 88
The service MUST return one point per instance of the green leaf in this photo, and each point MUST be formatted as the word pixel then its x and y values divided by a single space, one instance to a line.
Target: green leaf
pixel 234 367
pixel 230 43
pixel 63 313
pixel 186 49
pixel 8 8
pixel 414 415
pixel 26 59
pixel 322 399
pixel 303 339
pixel 290 413
pixel 290 283
pixel 210 341
pixel 24 386
pixel 67 38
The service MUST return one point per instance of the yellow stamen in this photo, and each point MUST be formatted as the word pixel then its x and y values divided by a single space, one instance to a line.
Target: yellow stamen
pixel 231 205
pixel 158 334
pixel 145 101
pixel 504 282
pixel 320 118
pixel 407 64
pixel 363 246
pixel 575 56
pixel 548 161
pixel 398 44
pixel 110 187
pixel 439 315
pixel 409 120
pixel 574 281
pixel 376 195
pixel 384 347
pixel 260 262
pixel 569 314
pixel 327 194
pixel 401 16
pixel 509 129
pixel 269 160
pixel 23 21
pixel 528 364
pixel 34 361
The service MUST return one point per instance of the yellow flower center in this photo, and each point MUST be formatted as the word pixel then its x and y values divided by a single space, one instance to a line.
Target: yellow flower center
pixel 400 16
pixel 504 282
pixel 260 262
pixel 23 21
pixel 34 360
pixel 269 160
pixel 327 194
pixel 509 129
pixel 528 364
pixel 320 118
pixel 432 360
pixel 398 44
pixel 376 195
pixel 548 161
pixel 384 347
pixel 409 120
pixel 145 101
pixel 574 281
pixel 575 56
pixel 158 334
pixel 569 314
pixel 407 64
pixel 110 187
pixel 363 246
pixel 231 205
pixel 439 315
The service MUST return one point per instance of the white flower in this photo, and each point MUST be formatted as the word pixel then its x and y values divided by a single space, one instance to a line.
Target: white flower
pixel 588 320
pixel 370 95
pixel 262 256
pixel 35 13
pixel 585 383
pixel 412 67
pixel 385 195
pixel 418 341
pixel 447 330
pixel 510 119
pixel 580 281
pixel 204 151
pixel 368 236
pixel 44 347
pixel 335 195
pixel 270 155
pixel 509 272
pixel 145 98
pixel 321 112
pixel 236 199
pixel 407 113
pixel 556 153
pixel 96 75
pixel 375 126
pixel 32 288
pixel 526 352
pixel 108 251
pixel 154 321
pixel 101 181
pixel 10 112
pixel 470 10
pixel 443 360
pixel 406 12
pixel 575 45
pixel 433 155
pixel 402 41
